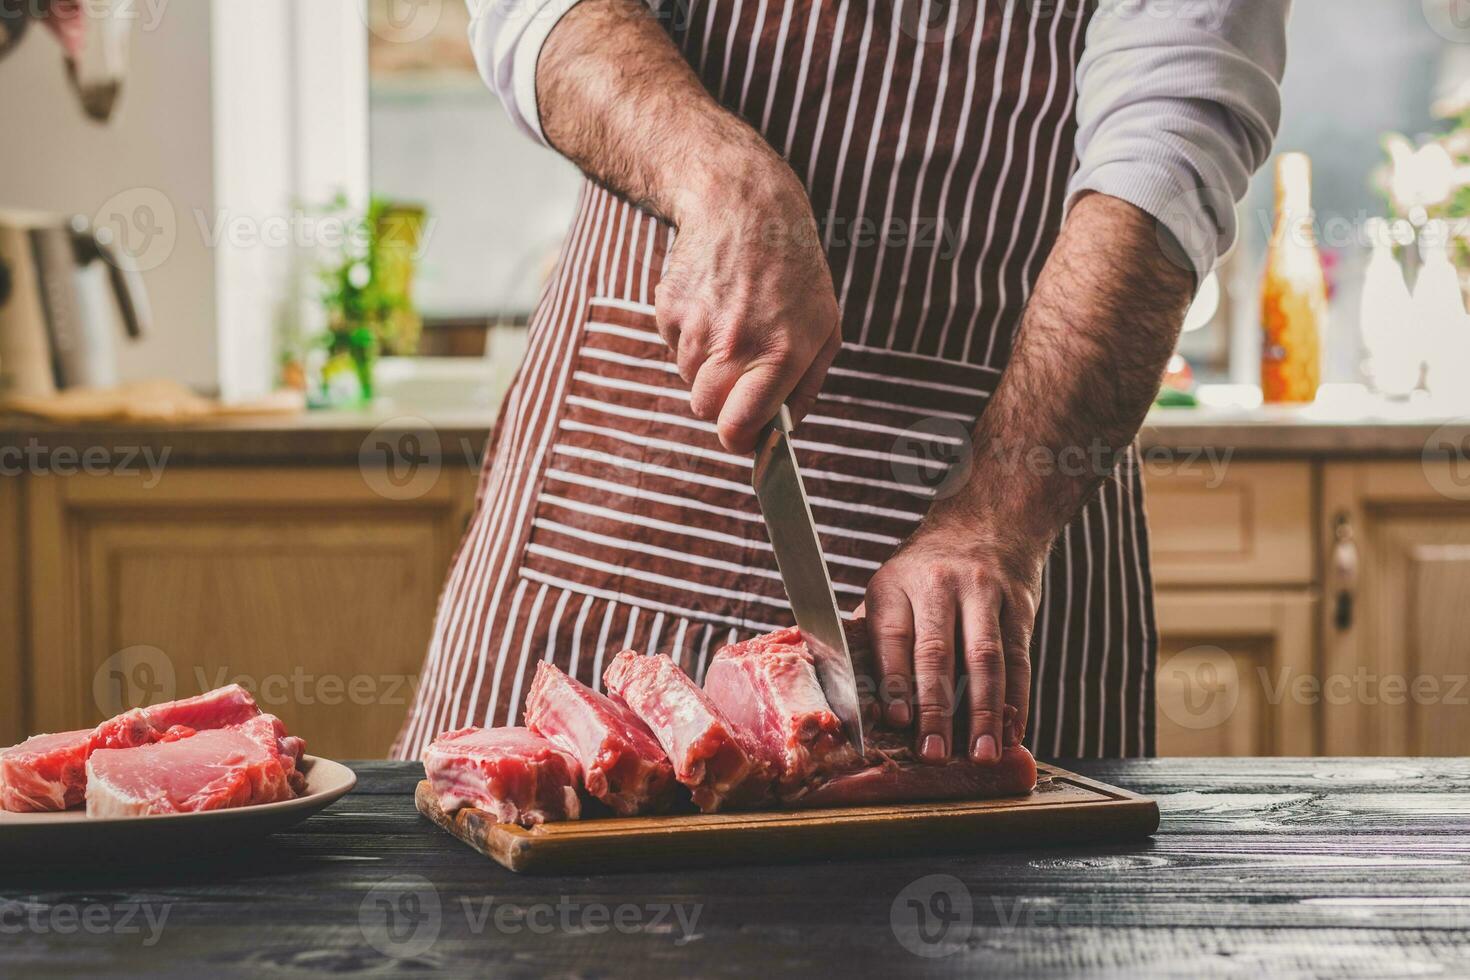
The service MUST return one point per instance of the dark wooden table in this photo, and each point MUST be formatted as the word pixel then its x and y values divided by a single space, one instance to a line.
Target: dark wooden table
pixel 1262 867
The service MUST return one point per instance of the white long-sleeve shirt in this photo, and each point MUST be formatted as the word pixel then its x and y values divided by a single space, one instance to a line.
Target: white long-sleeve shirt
pixel 1178 101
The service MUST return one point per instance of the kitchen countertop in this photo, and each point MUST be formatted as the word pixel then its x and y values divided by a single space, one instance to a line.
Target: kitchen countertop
pixel 335 437
pixel 319 437
pixel 1315 431
pixel 1301 867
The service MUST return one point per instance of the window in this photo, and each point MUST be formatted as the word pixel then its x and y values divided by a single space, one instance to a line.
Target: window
pixel 497 204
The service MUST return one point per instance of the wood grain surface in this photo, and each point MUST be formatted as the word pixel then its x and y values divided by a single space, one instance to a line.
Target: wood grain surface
pixel 1261 867
pixel 1064 808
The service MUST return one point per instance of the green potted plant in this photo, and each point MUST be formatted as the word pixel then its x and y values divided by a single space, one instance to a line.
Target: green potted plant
pixel 366 291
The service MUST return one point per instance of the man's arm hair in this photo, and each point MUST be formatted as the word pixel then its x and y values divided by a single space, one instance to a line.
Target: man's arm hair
pixel 1086 365
pixel 618 99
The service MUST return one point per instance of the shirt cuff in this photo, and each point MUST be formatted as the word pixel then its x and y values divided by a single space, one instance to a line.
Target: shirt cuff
pixel 1196 224
pixel 506 39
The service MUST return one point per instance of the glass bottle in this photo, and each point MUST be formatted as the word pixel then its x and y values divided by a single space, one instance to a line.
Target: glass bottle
pixel 1294 294
pixel 1386 317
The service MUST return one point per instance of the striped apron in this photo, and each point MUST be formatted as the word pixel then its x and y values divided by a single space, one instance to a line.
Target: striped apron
pixel 935 140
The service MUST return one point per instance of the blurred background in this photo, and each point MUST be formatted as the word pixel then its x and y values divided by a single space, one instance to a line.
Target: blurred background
pixel 270 265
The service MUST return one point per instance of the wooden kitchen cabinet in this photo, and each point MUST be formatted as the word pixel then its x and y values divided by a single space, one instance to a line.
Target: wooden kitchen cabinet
pixel 1396 634
pixel 1232 670
pixel 12 623
pixel 1234 567
pixel 1248 524
pixel 303 583
pixel 317 589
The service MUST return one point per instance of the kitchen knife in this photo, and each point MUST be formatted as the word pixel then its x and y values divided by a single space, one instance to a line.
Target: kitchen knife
pixel 778 487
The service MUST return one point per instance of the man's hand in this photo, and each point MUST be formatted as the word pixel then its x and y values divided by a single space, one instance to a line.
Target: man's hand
pixel 1085 367
pixel 746 302
pixel 956 593
pixel 747 305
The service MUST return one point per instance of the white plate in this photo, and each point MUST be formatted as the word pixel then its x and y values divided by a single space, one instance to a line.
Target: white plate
pixel 53 836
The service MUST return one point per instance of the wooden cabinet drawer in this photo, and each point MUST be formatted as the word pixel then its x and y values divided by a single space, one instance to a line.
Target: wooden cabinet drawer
pixel 1235 524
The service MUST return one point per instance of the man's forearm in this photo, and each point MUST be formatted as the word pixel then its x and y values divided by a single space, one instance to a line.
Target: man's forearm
pixel 1086 365
pixel 618 99
pixel 745 299
pixel 966 585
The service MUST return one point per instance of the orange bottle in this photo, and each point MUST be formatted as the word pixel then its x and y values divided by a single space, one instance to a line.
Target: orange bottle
pixel 1294 295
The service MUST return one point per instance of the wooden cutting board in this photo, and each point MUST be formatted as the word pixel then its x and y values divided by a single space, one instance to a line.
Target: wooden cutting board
pixel 1065 808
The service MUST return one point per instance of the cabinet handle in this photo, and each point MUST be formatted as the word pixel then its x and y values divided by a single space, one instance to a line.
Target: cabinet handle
pixel 1345 571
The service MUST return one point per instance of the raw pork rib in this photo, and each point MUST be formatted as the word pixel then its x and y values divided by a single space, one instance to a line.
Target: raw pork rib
pixel 45 772
pixel 760 729
pixel 769 687
pixel 713 757
pixel 189 771
pixel 220 708
pixel 895 775
pixel 622 763
pixel 515 776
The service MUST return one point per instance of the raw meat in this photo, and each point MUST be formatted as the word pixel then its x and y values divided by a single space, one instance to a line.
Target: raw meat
pixel 270 732
pixel 719 762
pixel 210 770
pixel 622 763
pixel 769 687
pixel 224 706
pixel 45 772
pixel 514 775
pixel 49 772
pixel 895 775
pixel 760 730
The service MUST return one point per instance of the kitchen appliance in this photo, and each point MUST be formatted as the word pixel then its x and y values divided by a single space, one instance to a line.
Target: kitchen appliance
pixel 777 481
pixel 62 295
pixel 95 38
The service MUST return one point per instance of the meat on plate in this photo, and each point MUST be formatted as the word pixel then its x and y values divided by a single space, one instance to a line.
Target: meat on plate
pixel 214 751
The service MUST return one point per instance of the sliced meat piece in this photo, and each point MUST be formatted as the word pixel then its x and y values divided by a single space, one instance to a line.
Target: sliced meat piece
pixel 712 756
pixel 622 763
pixel 45 772
pixel 894 774
pixel 270 732
pixel 210 770
pixel 511 773
pixel 769 687
pixel 220 708
pixel 49 771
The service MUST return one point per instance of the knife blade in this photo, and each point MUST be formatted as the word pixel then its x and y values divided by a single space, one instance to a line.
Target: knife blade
pixel 783 501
